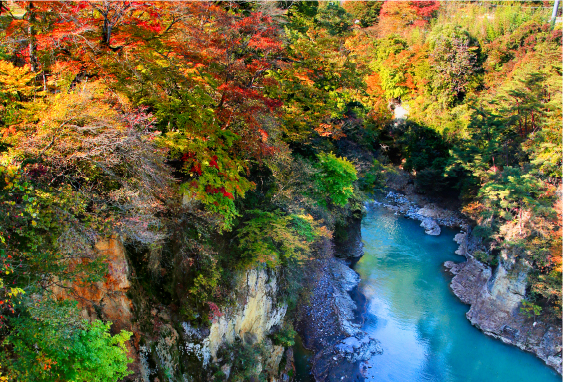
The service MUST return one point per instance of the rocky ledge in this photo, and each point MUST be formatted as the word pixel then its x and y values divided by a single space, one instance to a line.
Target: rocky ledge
pixel 495 302
pixel 430 215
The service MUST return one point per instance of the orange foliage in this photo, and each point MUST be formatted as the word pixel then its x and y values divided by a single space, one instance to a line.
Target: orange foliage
pixel 330 130
pixel 201 43
pixel 374 86
pixel 398 17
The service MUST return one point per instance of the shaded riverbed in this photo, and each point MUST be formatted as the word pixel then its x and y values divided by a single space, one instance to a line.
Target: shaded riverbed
pixel 407 305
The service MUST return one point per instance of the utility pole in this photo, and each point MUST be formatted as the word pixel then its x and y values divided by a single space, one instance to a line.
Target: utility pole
pixel 554 11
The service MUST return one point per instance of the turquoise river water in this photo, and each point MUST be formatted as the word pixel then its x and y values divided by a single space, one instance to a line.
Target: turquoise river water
pixel 421 324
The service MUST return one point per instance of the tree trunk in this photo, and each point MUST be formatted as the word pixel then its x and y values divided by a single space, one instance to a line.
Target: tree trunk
pixel 31 36
pixel 106 32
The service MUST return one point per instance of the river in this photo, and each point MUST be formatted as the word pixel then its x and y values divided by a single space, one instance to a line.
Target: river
pixel 421 324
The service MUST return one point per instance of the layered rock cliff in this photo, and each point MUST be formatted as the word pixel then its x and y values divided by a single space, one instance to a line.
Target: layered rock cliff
pixel 254 316
pixel 182 352
pixel 495 299
pixel 166 348
pixel 109 299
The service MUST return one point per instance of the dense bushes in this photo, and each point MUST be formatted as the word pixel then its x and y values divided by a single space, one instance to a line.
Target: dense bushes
pixel 54 343
pixel 334 180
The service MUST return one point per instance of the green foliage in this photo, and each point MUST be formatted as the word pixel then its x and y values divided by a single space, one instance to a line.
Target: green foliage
pixel 373 178
pixel 454 62
pixel 204 285
pixel 508 195
pixel 392 74
pixel 15 87
pixel 245 360
pixel 490 23
pixel 216 177
pixel 432 181
pixel 510 191
pixel 48 347
pixel 486 258
pixel 422 147
pixel 305 227
pixel 367 12
pixel 323 79
pixel 201 278
pixel 546 288
pixel 530 310
pixel 35 242
pixel 334 18
pixel 274 239
pixel 285 336
pixel 334 180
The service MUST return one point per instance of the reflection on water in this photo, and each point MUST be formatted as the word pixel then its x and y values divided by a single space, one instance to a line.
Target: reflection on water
pixel 302 362
pixel 420 323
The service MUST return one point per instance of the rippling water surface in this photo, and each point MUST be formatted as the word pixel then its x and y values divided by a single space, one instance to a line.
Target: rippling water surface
pixel 420 323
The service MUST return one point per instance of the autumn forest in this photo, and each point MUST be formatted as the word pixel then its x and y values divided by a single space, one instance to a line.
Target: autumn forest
pixel 208 139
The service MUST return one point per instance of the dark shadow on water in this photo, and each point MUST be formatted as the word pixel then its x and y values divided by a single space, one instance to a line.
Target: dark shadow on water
pixel 302 362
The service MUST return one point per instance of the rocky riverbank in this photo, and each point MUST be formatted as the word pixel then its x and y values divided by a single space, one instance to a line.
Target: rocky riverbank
pixel 494 295
pixel 329 323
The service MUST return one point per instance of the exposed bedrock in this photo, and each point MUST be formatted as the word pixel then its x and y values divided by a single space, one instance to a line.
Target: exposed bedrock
pixel 495 300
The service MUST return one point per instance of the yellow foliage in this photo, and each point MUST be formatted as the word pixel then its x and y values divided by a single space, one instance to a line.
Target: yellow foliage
pixel 14 81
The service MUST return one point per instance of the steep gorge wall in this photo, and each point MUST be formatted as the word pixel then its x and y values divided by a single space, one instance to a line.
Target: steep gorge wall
pixel 254 316
pixel 495 299
pixel 107 298
pixel 165 348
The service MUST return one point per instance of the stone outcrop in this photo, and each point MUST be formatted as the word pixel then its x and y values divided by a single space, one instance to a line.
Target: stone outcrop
pixel 359 347
pixel 106 299
pixel 495 300
pixel 343 305
pixel 255 317
pixel 351 246
pixel 430 215
pixel 431 227
pixel 256 314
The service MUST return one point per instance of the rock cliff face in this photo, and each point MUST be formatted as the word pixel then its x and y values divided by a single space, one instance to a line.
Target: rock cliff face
pixel 255 316
pixel 166 349
pixel 253 319
pixel 107 299
pixel 495 299
pixel 182 352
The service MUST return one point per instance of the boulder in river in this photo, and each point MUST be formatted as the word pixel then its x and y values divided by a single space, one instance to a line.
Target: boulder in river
pixel 431 227
pixel 360 347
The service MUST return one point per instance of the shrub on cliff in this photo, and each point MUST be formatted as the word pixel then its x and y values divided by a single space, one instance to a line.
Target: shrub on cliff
pixel 47 347
pixel 273 239
pixel 334 180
